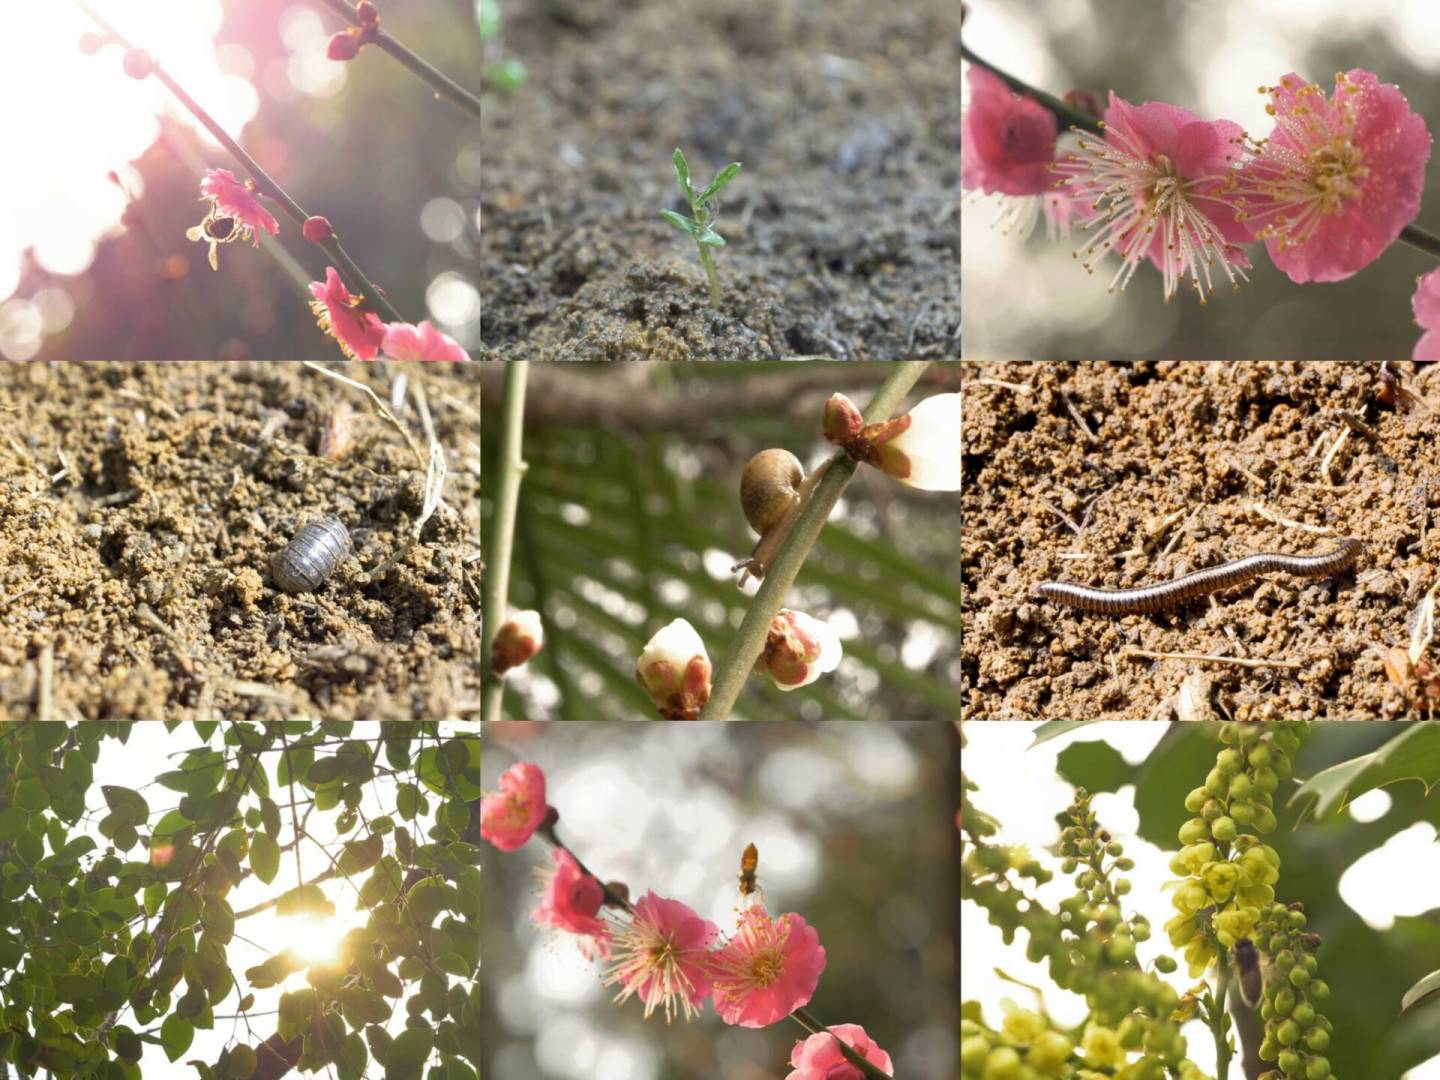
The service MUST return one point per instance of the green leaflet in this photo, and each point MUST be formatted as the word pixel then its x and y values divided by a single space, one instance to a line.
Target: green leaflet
pixel 176 1035
pixel 408 1053
pixel 264 857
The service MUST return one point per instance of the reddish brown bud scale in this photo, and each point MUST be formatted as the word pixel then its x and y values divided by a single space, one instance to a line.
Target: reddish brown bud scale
pixel 344 45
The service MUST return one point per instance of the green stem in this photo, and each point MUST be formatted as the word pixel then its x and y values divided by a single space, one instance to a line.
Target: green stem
pixel 444 87
pixel 354 276
pixel 710 274
pixel 749 640
pixel 1413 235
pixel 508 470
pixel 1218 1019
pixel 810 1024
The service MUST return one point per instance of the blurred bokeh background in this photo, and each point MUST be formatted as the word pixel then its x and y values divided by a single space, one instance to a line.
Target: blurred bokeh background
pixel 630 517
pixel 854 825
pixel 1369 876
pixel 1032 299
pixel 363 143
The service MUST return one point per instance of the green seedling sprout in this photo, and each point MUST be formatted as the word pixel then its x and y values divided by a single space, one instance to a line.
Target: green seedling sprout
pixel 702 216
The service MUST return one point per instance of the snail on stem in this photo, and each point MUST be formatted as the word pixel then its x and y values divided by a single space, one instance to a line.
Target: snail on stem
pixel 773 488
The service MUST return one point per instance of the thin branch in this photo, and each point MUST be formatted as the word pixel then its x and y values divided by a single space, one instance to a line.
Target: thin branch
pixel 355 277
pixel 1218 1022
pixel 509 469
pixel 444 87
pixel 749 640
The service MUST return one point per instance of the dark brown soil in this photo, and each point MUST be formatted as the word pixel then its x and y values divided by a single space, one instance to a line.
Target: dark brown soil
pixel 140 505
pixel 842 228
pixel 1186 461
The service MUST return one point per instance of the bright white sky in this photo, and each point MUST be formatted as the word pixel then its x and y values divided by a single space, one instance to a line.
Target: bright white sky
pixel 151 751
pixel 71 118
pixel 1026 808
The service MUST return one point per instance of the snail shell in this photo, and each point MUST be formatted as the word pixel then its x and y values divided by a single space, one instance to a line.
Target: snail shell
pixel 770 488
pixel 305 563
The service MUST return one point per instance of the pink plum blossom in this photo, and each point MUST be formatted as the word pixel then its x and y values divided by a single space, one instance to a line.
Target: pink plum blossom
pixel 1157 187
pixel 423 342
pixel 1426 304
pixel 767 970
pixel 820 1058
pixel 358 333
pixel 1007 140
pixel 1338 179
pixel 235 213
pixel 571 903
pixel 237 200
pixel 663 957
pixel 510 817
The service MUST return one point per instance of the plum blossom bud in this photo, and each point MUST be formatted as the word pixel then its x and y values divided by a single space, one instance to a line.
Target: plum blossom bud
pixel 842 419
pixel 344 45
pixel 520 637
pixel 675 671
pixel 138 64
pixel 798 650
pixel 367 13
pixel 317 230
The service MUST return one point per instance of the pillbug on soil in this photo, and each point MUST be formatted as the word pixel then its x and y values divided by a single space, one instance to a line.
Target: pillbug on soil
pixel 308 560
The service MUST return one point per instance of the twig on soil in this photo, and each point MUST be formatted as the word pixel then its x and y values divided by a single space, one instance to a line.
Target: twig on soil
pixel 749 640
pixel 1061 515
pixel 1330 455
pixel 1271 516
pixel 1079 420
pixel 1175 540
pixel 45 692
pixel 1137 654
pixel 182 655
pixel 1019 388
pixel 385 414
pixel 1243 472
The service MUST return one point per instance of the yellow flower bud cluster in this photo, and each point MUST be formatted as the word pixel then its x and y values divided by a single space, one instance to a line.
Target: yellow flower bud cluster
pixel 1026 1047
pixel 1228 874
pixel 1295 1033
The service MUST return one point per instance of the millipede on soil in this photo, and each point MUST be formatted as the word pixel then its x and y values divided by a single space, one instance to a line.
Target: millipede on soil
pixel 1167 594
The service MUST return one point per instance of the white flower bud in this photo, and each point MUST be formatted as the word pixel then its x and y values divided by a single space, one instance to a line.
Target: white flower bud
pixel 675 671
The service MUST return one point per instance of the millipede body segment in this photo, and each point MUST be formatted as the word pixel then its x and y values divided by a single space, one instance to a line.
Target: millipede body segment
pixel 1168 594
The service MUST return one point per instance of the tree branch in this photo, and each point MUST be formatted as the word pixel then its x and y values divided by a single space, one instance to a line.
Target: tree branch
pixel 749 640
pixel 509 469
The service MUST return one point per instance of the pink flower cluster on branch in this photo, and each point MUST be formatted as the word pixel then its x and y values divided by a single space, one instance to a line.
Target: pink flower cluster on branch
pixel 670 957
pixel 1334 184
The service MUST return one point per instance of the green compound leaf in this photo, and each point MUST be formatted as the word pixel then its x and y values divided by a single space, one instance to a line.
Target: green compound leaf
pixel 1412 755
pixel 682 174
pixel 722 178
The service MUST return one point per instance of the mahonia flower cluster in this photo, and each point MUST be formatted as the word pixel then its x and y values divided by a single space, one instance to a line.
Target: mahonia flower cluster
pixel 1229 874
pixel 1089 947
pixel 1295 1033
